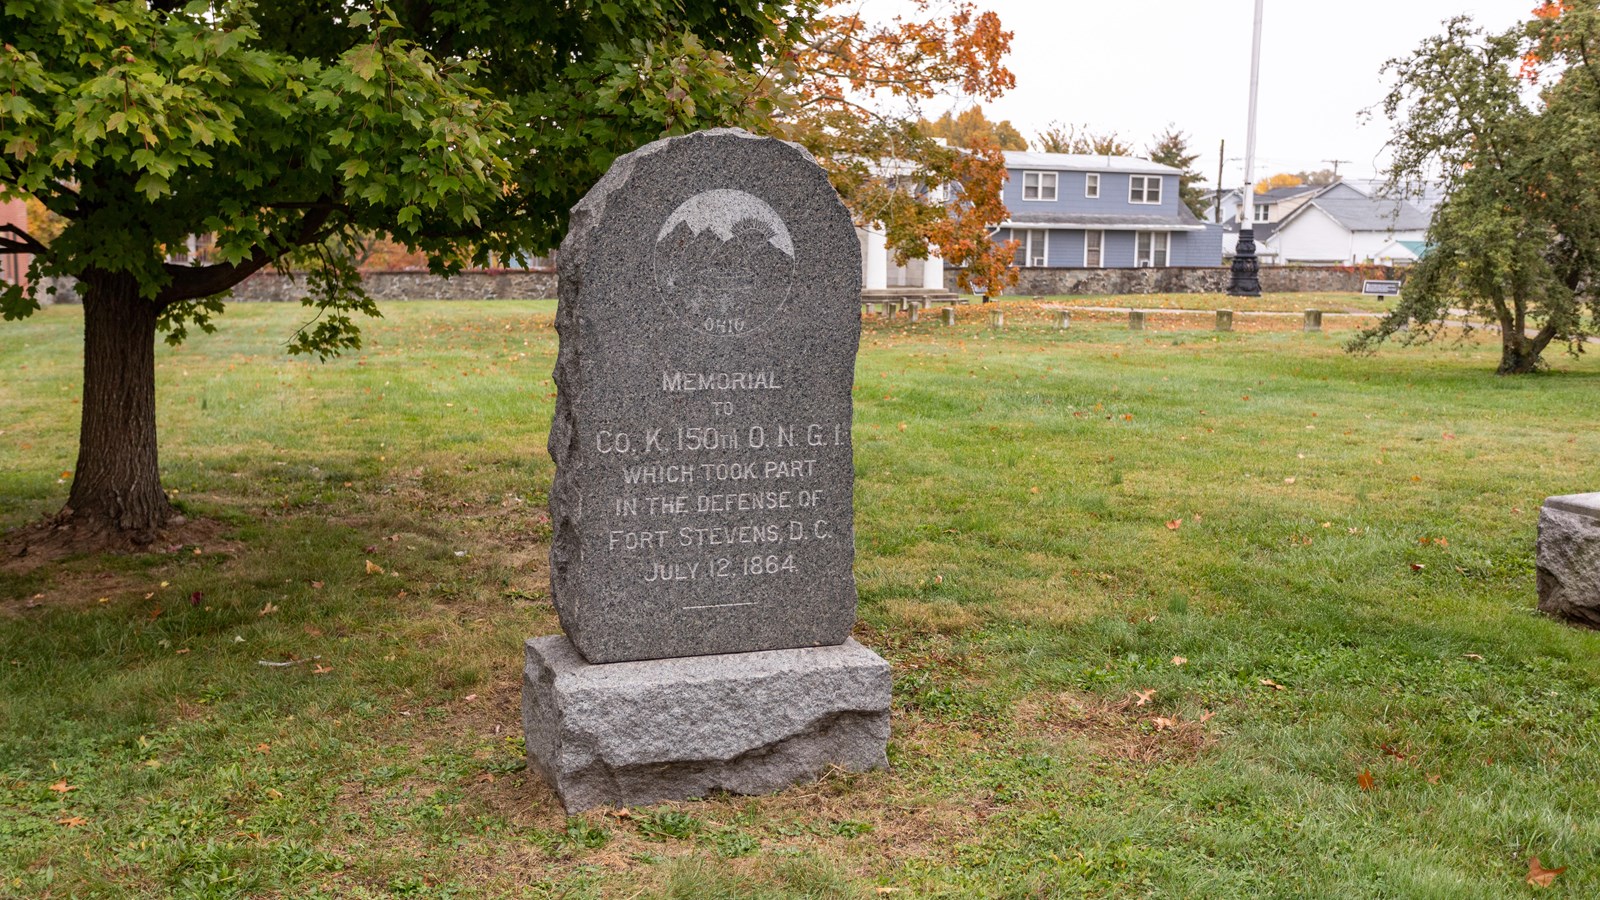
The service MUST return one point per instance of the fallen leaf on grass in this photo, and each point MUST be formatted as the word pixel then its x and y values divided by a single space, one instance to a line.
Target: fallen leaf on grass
pixel 623 813
pixel 1392 752
pixel 1417 567
pixel 1472 656
pixel 1174 525
pixel 195 598
pixel 470 697
pixel 1144 696
pixel 1539 876
pixel 1288 481
pixel 1163 723
pixel 320 669
pixel 485 778
pixel 312 630
pixel 80 821
pixel 1365 780
pixel 1206 716
pixel 1433 777
pixel 263 748
pixel 268 610
pixel 61 787
pixel 1179 661
pixel 373 568
pixel 887 890
pixel 1268 682
pixel 316 585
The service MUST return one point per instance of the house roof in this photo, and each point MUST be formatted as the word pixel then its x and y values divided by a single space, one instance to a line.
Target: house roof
pixel 1284 193
pixel 1083 162
pixel 1367 213
pixel 1426 197
pixel 1183 221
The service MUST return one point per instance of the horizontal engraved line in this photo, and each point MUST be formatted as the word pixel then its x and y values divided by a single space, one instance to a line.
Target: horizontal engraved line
pixel 718 605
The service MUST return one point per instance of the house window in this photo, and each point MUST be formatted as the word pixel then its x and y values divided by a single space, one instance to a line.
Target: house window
pixel 1262 213
pixel 1032 245
pixel 1150 249
pixel 1038 185
pixel 1093 242
pixel 1144 189
pixel 1091 186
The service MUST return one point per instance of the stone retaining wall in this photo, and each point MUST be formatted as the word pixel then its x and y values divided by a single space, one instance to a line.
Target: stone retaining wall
pixel 1181 280
pixel 270 287
pixel 520 284
pixel 509 284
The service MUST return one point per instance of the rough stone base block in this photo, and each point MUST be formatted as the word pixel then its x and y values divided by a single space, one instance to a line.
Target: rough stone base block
pixel 1569 558
pixel 669 729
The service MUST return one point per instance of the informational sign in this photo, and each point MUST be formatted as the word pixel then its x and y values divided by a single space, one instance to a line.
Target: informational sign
pixel 1380 288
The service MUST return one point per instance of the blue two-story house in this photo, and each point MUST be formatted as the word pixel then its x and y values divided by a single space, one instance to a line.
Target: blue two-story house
pixel 1071 210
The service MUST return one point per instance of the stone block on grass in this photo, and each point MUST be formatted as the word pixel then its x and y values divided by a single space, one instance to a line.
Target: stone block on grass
pixel 1569 558
pixel 641 732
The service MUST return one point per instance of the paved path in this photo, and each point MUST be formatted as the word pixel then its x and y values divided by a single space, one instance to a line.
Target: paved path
pixel 1326 314
pixel 1207 312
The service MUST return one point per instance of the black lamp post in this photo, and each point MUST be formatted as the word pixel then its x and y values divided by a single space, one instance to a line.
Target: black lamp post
pixel 1243 280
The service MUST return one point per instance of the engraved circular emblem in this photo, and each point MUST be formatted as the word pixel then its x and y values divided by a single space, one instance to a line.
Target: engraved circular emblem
pixel 725 261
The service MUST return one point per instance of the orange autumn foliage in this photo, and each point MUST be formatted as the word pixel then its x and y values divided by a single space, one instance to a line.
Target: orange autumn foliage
pixel 1280 180
pixel 828 94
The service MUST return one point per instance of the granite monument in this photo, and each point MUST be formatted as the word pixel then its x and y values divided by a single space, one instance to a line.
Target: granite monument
pixel 701 561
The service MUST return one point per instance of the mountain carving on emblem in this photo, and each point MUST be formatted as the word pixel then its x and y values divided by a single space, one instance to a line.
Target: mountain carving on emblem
pixel 725 259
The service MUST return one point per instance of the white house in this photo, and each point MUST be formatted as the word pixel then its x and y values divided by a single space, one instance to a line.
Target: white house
pixel 878 269
pixel 1344 225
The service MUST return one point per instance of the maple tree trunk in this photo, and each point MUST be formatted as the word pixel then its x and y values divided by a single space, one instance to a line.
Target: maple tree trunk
pixel 117 483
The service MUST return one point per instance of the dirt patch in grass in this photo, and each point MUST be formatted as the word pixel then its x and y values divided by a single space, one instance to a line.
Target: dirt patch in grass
pixel 1116 729
pixel 50 540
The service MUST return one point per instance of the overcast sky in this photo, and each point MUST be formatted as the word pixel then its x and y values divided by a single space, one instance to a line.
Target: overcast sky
pixel 1135 65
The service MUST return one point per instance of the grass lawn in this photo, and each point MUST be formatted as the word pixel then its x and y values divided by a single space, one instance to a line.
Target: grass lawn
pixel 1170 614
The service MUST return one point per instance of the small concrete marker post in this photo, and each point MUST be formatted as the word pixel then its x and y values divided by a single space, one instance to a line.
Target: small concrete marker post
pixel 1063 319
pixel 949 313
pixel 1568 559
pixel 913 312
pixel 703 528
pixel 997 319
pixel 1224 320
pixel 1135 320
pixel 1313 320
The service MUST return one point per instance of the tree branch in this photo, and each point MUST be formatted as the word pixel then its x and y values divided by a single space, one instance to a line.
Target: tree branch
pixel 195 282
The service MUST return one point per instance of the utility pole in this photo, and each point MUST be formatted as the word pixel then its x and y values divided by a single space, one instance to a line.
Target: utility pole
pixel 1335 163
pixel 1222 154
pixel 1244 280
